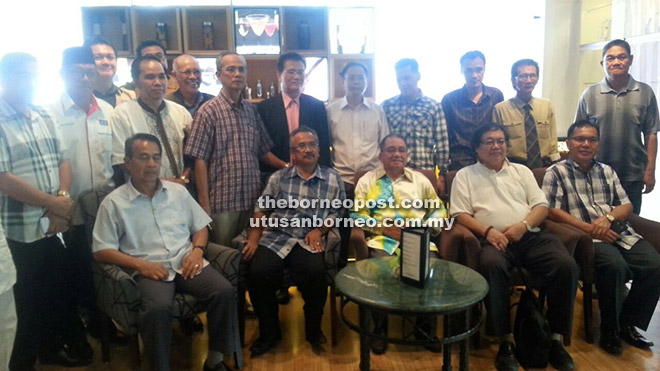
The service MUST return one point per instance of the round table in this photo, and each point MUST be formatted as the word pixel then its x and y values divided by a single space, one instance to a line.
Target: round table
pixel 451 289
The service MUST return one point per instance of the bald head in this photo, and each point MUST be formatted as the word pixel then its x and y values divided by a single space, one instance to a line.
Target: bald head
pixel 185 70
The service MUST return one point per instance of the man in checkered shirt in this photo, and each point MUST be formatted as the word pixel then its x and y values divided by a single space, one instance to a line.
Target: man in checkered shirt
pixel 588 195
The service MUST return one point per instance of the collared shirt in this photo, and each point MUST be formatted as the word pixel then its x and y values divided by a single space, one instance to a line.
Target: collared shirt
pixel 116 95
pixel 355 135
pixel 285 184
pixel 497 198
pixel 31 149
pixel 230 138
pixel 511 115
pixel 7 269
pixel 463 118
pixel 377 185
pixel 587 195
pixel 422 124
pixel 155 229
pixel 178 98
pixel 292 107
pixel 88 138
pixel 623 117
pixel 130 119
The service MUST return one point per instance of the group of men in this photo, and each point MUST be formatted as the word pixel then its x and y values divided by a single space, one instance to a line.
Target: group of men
pixel 158 146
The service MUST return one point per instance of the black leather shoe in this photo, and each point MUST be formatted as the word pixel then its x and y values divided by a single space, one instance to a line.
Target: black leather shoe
pixel 283 296
pixel 379 346
pixel 262 346
pixel 611 342
pixel 630 335
pixel 65 357
pixel 506 357
pixel 559 357
pixel 220 367
pixel 318 340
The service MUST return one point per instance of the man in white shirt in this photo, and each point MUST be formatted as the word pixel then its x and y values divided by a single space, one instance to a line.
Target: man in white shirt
pixel 152 114
pixel 501 203
pixel 146 226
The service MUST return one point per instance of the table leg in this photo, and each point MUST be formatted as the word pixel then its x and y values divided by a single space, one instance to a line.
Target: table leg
pixel 365 341
pixel 465 344
pixel 446 356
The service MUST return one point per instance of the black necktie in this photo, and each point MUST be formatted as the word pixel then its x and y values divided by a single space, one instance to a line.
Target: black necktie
pixel 534 159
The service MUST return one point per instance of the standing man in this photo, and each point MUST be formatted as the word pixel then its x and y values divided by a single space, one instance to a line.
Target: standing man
pixel 467 108
pixel 626 111
pixel 86 133
pixel 158 231
pixel 7 302
pixel 270 250
pixel 501 203
pixel 587 194
pixel 227 141
pixel 529 121
pixel 151 113
pixel 105 59
pixel 35 177
pixel 185 70
pixel 285 112
pixel 419 120
pixel 156 49
pixel 357 125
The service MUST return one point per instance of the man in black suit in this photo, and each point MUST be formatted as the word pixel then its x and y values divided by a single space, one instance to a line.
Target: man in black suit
pixel 285 112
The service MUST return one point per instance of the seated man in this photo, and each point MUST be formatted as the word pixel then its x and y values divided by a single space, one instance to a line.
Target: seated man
pixel 588 195
pixel 501 202
pixel 146 226
pixel 397 185
pixel 300 248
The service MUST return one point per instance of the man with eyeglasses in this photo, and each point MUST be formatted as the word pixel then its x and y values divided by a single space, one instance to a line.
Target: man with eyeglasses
pixel 105 59
pixel 588 195
pixel 285 112
pixel 501 203
pixel 271 248
pixel 626 112
pixel 529 121
pixel 228 140
pixel 185 69
pixel 86 133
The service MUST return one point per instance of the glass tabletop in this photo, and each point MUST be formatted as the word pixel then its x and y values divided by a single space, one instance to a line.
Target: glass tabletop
pixel 450 287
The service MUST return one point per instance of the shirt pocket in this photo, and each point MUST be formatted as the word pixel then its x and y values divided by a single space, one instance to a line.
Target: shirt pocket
pixel 543 129
pixel 515 130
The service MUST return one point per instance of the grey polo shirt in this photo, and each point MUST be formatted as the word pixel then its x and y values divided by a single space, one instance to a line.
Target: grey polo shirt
pixel 624 118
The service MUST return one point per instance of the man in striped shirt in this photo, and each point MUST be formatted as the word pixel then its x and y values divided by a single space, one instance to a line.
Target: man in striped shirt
pixel 588 195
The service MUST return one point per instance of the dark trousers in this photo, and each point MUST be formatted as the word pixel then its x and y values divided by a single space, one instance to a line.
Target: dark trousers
pixel 614 267
pixel 344 230
pixel 80 283
pixel 634 192
pixel 41 299
pixel 307 270
pixel 551 268
pixel 155 317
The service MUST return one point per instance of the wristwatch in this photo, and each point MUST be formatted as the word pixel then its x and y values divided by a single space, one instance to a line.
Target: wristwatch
pixel 530 228
pixel 63 193
pixel 610 217
pixel 185 180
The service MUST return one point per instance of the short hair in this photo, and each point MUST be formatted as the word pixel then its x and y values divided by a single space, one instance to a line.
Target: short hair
pixel 77 55
pixel 521 63
pixel 146 44
pixel 473 54
pixel 485 128
pixel 381 145
pixel 616 42
pixel 407 62
pixel 581 124
pixel 218 60
pixel 135 67
pixel 302 129
pixel 11 61
pixel 353 64
pixel 128 145
pixel 289 57
pixel 96 40
pixel 175 62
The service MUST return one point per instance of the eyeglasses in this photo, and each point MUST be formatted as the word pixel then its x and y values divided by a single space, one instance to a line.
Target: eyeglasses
pixel 491 142
pixel 233 69
pixel 527 76
pixel 303 146
pixel 78 73
pixel 591 140
pixel 100 57
pixel 191 72
pixel 295 72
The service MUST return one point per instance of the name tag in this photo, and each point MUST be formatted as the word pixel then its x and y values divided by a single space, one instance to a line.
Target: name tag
pixel 104 128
